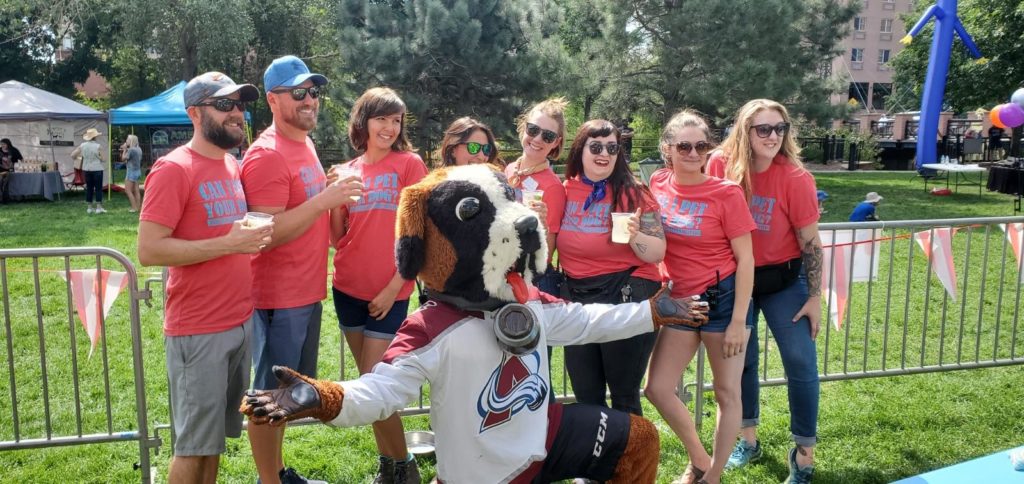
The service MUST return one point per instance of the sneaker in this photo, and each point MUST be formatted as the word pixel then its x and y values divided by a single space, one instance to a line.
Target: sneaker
pixel 289 476
pixel 743 454
pixel 386 471
pixel 798 475
pixel 88 210
pixel 100 210
pixel 407 472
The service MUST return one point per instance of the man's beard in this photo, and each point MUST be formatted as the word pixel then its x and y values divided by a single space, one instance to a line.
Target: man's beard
pixel 302 123
pixel 219 135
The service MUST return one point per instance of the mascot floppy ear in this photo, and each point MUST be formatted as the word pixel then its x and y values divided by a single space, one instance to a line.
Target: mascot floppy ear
pixel 410 248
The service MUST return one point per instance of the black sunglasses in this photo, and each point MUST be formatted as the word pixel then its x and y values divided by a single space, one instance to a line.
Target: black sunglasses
pixel 473 148
pixel 684 147
pixel 299 93
pixel 548 136
pixel 224 104
pixel 765 130
pixel 596 147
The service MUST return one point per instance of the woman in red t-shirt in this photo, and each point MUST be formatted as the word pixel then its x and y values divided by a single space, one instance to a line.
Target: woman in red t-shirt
pixel 466 141
pixel 762 156
pixel 541 131
pixel 370 298
pixel 602 270
pixel 707 227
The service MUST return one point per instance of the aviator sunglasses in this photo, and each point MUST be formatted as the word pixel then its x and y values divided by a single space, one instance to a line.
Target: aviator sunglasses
pixel 473 148
pixel 299 93
pixel 224 104
pixel 548 136
pixel 765 130
pixel 596 147
pixel 702 147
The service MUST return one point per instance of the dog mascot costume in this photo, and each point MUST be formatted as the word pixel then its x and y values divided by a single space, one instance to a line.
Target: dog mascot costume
pixel 481 343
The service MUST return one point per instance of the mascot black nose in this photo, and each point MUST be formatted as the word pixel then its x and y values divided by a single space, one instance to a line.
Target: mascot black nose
pixel 526 224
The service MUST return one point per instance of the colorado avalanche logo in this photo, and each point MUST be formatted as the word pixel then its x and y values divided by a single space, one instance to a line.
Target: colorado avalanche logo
pixel 516 384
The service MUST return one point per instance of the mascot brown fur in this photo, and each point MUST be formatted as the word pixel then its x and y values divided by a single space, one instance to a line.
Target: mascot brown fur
pixel 481 345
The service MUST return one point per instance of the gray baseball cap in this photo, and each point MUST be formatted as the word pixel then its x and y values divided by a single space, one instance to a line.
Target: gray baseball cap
pixel 217 84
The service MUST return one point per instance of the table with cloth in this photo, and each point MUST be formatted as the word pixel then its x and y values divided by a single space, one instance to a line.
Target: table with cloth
pixel 47 184
pixel 1009 180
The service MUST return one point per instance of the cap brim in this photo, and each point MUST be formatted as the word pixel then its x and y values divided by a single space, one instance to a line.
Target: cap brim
pixel 318 80
pixel 246 92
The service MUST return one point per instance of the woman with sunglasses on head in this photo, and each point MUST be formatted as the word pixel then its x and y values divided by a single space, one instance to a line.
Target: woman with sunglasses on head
pixel 540 132
pixel 600 270
pixel 467 141
pixel 707 227
pixel 762 156
pixel 370 298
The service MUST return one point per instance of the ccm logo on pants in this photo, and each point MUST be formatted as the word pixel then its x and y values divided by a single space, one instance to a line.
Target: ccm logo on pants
pixel 602 428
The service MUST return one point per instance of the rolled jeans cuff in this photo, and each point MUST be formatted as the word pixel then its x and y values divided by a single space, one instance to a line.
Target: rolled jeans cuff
pixel 805 441
pixel 749 422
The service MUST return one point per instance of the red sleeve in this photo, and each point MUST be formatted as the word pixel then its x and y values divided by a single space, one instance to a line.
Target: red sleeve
pixel 167 192
pixel 415 170
pixel 716 165
pixel 555 200
pixel 736 218
pixel 412 334
pixel 802 200
pixel 265 178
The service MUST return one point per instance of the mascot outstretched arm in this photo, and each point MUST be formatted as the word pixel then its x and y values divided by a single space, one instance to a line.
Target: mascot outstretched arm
pixel 481 343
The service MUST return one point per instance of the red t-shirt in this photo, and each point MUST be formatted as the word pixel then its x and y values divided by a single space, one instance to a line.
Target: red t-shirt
pixel 199 198
pixel 279 172
pixel 364 259
pixel 554 192
pixel 585 246
pixel 699 221
pixel 784 199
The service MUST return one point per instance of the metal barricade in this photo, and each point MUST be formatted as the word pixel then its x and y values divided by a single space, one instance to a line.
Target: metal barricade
pixel 900 319
pixel 75 399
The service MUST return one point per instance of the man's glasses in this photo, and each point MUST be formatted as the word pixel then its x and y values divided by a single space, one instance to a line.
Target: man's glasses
pixel 299 93
pixel 473 148
pixel 596 147
pixel 224 104
pixel 702 147
pixel 548 136
pixel 765 130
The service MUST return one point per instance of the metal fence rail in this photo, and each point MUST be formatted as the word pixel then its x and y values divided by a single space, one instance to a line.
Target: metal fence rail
pixel 70 397
pixel 901 320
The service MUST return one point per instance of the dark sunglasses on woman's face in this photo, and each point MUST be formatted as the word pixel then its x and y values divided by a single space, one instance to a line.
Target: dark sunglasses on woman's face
pixel 765 130
pixel 596 147
pixel 299 93
pixel 702 147
pixel 548 136
pixel 473 148
pixel 224 104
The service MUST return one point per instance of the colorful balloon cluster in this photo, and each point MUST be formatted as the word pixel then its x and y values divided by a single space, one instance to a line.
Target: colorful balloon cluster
pixel 1011 114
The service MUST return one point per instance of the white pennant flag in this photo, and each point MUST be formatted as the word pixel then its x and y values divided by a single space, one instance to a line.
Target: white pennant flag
pixel 939 250
pixel 1015 236
pixel 86 292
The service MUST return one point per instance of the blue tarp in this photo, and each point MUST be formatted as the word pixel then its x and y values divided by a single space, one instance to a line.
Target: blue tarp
pixel 164 109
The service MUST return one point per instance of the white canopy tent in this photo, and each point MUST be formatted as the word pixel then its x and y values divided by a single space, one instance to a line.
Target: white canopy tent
pixel 45 126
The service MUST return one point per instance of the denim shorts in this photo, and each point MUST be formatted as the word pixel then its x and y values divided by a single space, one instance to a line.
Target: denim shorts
pixel 287 337
pixel 719 317
pixel 354 316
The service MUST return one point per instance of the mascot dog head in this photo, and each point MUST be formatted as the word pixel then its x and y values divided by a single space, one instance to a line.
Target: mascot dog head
pixel 462 233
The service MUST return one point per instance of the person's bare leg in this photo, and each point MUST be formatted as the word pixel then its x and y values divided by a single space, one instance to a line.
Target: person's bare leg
pixel 726 374
pixel 266 442
pixel 187 469
pixel 211 464
pixel 389 432
pixel 672 354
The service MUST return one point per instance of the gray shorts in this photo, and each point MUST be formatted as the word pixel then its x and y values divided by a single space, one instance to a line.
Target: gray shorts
pixel 207 375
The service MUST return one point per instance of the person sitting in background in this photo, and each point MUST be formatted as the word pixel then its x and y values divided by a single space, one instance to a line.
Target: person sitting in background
pixel 865 211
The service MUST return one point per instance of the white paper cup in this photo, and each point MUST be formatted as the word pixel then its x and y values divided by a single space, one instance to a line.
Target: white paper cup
pixel 533 196
pixel 620 227
pixel 257 219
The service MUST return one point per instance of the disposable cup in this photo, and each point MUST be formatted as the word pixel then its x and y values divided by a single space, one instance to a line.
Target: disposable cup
pixel 347 171
pixel 257 219
pixel 620 227
pixel 533 196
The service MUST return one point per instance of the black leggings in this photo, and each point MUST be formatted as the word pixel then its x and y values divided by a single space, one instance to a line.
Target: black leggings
pixel 94 186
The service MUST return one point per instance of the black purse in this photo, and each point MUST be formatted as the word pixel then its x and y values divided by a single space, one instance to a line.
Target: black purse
pixel 773 278
pixel 611 288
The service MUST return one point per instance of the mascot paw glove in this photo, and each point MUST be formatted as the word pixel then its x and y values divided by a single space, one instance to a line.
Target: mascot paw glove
pixel 298 397
pixel 689 311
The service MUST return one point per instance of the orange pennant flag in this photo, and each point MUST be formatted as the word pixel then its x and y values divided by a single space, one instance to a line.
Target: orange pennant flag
pixel 87 293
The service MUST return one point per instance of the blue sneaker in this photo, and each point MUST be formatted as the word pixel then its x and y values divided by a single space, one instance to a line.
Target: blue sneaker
pixel 798 475
pixel 743 454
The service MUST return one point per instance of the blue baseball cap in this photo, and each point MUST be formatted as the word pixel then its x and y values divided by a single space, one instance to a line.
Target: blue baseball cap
pixel 289 71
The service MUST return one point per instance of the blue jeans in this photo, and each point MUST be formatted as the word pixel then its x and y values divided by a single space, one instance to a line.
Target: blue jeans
pixel 799 359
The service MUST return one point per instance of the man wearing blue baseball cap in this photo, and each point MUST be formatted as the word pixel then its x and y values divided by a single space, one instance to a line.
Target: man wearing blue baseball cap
pixel 282 176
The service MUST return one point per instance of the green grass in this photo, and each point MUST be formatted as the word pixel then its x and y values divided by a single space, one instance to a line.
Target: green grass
pixel 871 430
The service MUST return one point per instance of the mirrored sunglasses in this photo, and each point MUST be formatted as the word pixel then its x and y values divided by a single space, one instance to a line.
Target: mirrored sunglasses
pixel 548 136
pixel 299 93
pixel 224 104
pixel 702 147
pixel 765 130
pixel 596 147
pixel 473 148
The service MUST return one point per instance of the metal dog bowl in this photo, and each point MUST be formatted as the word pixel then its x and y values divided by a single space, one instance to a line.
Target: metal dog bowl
pixel 420 442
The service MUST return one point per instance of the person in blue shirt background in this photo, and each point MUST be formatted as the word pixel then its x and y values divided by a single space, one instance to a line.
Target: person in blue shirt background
pixel 865 211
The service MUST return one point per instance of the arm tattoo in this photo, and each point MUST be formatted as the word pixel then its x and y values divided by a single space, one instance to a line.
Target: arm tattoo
pixel 641 248
pixel 650 224
pixel 812 254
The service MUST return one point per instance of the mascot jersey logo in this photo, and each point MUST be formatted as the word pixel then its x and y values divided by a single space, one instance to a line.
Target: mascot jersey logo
pixel 516 384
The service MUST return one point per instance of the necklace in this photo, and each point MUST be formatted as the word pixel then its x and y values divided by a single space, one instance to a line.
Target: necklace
pixel 521 172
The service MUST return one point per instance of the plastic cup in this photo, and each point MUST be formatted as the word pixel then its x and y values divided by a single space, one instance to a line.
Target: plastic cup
pixel 347 171
pixel 257 219
pixel 533 196
pixel 620 227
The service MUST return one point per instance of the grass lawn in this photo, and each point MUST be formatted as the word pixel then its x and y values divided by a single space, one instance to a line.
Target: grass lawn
pixel 871 430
